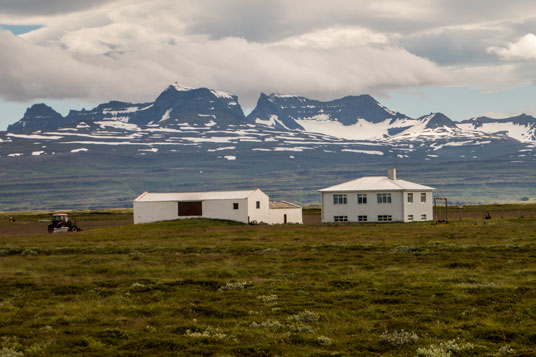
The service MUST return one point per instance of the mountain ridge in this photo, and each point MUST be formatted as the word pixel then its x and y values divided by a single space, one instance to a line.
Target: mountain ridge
pixel 209 120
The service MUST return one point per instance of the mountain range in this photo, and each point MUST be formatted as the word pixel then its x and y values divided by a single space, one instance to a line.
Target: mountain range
pixel 200 128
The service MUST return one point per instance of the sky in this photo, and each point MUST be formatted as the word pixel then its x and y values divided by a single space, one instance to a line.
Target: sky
pixel 462 58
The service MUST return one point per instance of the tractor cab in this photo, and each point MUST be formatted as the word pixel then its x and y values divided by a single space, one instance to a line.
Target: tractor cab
pixel 60 217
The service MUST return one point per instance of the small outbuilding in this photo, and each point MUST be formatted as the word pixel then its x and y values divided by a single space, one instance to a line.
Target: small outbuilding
pixel 250 206
pixel 283 212
pixel 377 199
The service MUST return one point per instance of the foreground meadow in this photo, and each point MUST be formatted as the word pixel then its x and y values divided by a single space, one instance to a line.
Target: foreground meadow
pixel 209 288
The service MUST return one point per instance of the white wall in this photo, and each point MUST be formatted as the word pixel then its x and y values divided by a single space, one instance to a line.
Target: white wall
pixel 261 214
pixel 372 209
pixel 418 208
pixel 146 212
pixel 294 215
pixel 223 209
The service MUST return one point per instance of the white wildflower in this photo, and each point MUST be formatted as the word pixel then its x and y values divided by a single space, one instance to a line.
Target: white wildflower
pixel 209 332
pixel 398 338
pixel 267 298
pixel 266 324
pixel 323 340
pixel 505 350
pixel 445 349
pixel 10 352
pixel 236 286
pixel 305 316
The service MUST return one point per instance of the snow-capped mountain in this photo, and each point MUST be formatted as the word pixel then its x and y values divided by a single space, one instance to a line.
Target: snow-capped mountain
pixel 337 117
pixel 521 127
pixel 194 138
pixel 176 106
pixel 183 118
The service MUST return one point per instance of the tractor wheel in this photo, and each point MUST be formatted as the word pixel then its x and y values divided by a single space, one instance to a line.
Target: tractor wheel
pixel 75 229
pixel 50 228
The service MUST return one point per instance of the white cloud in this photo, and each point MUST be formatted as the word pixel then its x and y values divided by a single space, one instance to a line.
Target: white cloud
pixel 130 50
pixel 524 48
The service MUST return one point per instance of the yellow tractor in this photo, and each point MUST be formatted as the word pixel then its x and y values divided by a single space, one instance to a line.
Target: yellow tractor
pixel 60 223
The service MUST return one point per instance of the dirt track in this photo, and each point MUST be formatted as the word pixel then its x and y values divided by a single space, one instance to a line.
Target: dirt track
pixel 33 228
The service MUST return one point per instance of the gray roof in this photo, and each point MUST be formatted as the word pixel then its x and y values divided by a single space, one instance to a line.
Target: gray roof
pixel 194 196
pixel 376 183
pixel 282 205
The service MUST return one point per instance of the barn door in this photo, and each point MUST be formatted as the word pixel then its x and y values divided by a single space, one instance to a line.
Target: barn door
pixel 190 208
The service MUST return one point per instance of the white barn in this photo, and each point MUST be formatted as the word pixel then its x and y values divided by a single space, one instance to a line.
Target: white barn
pixel 377 199
pixel 241 206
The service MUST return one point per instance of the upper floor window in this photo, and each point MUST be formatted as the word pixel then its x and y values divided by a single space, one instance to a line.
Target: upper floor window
pixel 235 205
pixel 361 199
pixel 339 199
pixel 423 197
pixel 258 204
pixel 410 197
pixel 384 198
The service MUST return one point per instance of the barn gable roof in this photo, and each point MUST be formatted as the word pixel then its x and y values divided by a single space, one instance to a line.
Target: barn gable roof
pixel 194 196
pixel 282 205
pixel 376 183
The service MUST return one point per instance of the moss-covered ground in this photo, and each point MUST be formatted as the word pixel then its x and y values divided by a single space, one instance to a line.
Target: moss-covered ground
pixel 212 288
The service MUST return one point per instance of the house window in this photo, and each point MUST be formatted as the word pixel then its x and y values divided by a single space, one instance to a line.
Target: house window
pixel 423 217
pixel 235 205
pixel 384 198
pixel 423 197
pixel 339 199
pixel 258 204
pixel 385 218
pixel 410 218
pixel 340 218
pixel 361 218
pixel 361 199
pixel 410 197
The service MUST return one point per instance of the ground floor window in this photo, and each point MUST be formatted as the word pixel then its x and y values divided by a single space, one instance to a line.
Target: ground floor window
pixel 410 217
pixel 340 218
pixel 362 218
pixel 385 218
pixel 423 217
pixel 235 205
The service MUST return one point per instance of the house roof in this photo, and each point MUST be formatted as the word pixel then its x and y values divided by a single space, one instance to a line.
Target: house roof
pixel 193 196
pixel 282 205
pixel 376 183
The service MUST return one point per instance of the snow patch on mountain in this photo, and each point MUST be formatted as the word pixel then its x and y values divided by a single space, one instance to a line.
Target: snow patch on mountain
pixel 166 115
pixel 79 150
pixel 221 94
pixel 517 131
pixel 368 152
pixel 180 88
pixel 117 124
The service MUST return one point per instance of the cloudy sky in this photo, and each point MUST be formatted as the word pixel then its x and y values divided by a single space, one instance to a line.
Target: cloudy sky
pixel 463 58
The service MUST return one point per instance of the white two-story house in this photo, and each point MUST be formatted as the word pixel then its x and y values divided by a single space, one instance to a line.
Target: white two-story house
pixel 377 199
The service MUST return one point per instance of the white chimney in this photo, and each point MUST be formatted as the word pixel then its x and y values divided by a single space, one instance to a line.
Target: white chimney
pixel 391 174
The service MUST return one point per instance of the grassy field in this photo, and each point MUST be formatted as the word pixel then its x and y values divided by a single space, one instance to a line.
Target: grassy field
pixel 212 288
